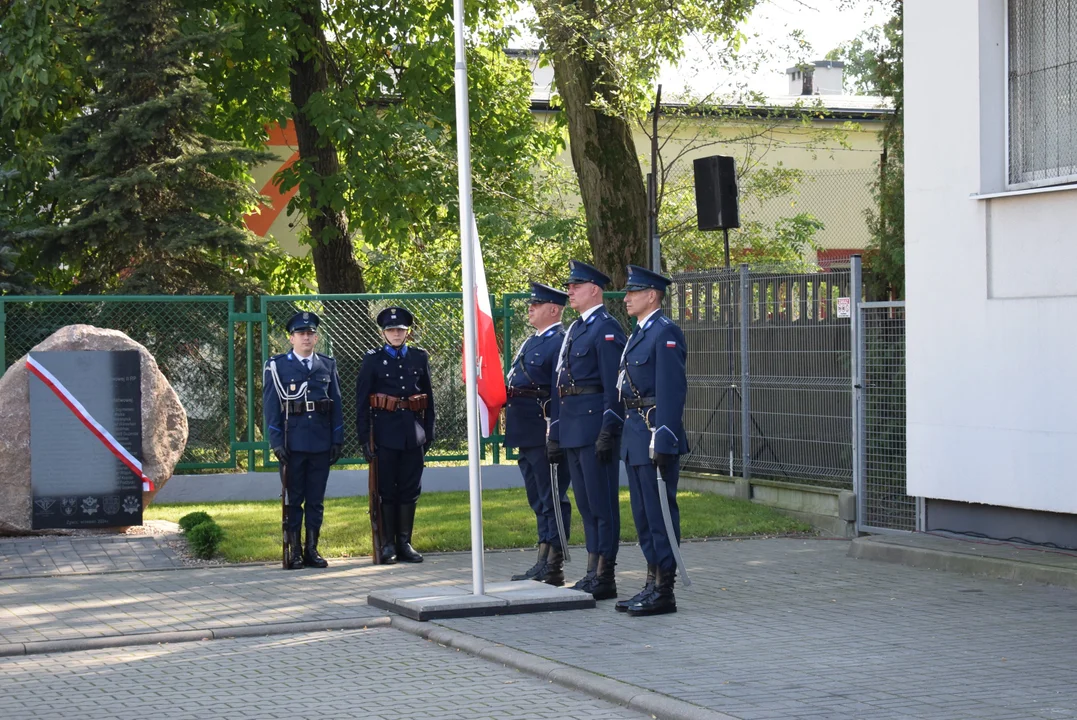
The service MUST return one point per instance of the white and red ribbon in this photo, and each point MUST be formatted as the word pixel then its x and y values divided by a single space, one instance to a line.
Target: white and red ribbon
pixel 92 425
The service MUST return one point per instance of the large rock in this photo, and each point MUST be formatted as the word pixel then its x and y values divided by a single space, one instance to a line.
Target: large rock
pixel 164 423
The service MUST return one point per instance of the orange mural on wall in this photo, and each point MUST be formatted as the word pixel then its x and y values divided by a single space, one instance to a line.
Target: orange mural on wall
pixel 280 141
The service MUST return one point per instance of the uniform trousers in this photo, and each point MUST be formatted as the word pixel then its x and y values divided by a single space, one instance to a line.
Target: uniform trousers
pixel 400 474
pixel 647 512
pixel 539 486
pixel 595 485
pixel 307 476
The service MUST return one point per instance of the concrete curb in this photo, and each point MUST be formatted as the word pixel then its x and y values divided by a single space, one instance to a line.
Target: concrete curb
pixel 1023 571
pixel 159 638
pixel 573 678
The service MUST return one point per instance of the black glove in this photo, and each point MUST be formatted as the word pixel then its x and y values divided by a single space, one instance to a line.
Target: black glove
pixel 334 454
pixel 604 446
pixel 663 460
pixel 426 448
pixel 281 454
pixel 554 453
pixel 368 453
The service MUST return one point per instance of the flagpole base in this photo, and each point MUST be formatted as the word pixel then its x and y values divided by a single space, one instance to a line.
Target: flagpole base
pixel 441 602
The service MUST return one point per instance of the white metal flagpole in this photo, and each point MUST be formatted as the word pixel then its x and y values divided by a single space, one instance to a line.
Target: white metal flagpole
pixel 467 257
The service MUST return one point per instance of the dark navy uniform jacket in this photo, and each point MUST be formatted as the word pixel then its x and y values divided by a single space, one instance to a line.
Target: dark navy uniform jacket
pixel 310 430
pixel 654 367
pixel 592 354
pixel 400 373
pixel 532 368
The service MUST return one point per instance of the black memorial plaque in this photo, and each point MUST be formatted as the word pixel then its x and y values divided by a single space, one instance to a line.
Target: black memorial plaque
pixel 76 479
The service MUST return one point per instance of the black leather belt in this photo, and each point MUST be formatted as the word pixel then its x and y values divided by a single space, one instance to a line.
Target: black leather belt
pixel 526 392
pixel 298 407
pixel 566 390
pixel 639 403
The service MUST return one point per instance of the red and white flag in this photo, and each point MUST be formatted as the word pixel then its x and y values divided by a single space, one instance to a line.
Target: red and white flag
pixel 65 396
pixel 490 380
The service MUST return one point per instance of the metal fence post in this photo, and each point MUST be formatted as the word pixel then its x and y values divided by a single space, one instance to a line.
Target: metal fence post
pixel 745 382
pixel 3 337
pixel 856 367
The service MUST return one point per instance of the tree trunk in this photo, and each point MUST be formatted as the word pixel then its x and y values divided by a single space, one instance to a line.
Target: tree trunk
pixel 335 265
pixel 603 152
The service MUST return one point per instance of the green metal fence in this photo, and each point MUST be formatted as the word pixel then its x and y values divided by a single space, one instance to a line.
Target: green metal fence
pixel 212 351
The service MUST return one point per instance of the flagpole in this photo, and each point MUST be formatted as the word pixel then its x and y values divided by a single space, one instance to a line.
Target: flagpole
pixel 467 257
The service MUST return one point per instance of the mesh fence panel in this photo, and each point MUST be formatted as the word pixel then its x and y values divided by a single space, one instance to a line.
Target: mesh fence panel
pixel 885 503
pixel 797 358
pixel 188 337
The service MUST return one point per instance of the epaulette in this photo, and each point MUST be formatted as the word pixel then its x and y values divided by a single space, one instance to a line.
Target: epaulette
pixel 416 348
pixel 371 352
pixel 665 320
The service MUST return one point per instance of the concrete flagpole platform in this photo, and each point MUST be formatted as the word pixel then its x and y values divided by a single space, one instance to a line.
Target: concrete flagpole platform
pixel 445 600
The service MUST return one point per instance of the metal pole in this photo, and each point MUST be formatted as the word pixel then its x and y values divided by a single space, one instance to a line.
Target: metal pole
pixel 725 235
pixel 745 383
pixel 252 454
pixel 856 371
pixel 656 244
pixel 467 252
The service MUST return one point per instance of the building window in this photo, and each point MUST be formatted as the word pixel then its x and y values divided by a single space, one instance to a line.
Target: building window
pixel 1042 92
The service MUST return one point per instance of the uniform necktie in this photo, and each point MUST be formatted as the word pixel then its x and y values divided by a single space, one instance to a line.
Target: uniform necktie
pixel 306 364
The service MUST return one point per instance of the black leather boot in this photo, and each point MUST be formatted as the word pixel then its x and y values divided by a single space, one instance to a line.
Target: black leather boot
pixel 587 580
pixel 622 605
pixel 538 568
pixel 661 600
pixel 295 556
pixel 404 551
pixel 388 534
pixel 604 586
pixel 555 568
pixel 311 557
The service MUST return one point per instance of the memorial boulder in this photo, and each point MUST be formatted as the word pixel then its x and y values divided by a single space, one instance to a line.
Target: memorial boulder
pixel 87 406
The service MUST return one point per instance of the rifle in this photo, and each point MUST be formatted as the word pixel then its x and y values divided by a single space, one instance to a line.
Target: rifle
pixel 374 499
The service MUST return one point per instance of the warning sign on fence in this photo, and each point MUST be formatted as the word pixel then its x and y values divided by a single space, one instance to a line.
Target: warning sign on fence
pixel 845 307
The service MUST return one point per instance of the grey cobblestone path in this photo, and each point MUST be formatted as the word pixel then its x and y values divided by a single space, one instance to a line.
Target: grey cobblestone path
pixel 369 674
pixel 51 555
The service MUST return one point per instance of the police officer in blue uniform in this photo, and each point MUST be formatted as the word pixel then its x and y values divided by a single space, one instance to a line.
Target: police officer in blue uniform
pixel 653 384
pixel 393 394
pixel 301 391
pixel 587 421
pixel 528 383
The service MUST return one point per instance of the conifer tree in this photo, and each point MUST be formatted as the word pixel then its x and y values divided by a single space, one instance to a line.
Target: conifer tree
pixel 147 201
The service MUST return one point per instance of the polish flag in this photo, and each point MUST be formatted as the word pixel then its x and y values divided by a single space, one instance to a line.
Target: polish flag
pixel 490 380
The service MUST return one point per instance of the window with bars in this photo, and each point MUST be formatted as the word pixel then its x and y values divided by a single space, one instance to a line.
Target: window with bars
pixel 1042 92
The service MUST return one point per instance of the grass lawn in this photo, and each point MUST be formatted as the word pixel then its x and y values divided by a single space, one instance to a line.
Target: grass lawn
pixel 442 522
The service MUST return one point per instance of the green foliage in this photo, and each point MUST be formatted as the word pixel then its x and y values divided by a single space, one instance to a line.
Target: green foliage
pixel 143 200
pixel 189 520
pixel 204 539
pixel 875 63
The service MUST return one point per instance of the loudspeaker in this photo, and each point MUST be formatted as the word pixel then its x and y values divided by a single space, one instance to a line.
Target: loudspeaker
pixel 716 193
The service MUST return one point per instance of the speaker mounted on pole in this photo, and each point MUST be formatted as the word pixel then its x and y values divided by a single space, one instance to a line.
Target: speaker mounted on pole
pixel 716 193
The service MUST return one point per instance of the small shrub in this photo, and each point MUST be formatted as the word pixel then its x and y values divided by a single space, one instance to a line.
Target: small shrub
pixel 189 520
pixel 205 538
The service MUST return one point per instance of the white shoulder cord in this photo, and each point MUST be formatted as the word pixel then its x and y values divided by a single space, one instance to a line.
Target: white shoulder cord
pixel 285 397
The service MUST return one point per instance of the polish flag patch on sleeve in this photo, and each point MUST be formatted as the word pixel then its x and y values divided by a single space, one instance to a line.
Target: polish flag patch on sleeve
pixel 609 338
pixel 671 343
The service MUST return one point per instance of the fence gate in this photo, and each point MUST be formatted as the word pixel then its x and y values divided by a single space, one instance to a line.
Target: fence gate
pixel 879 382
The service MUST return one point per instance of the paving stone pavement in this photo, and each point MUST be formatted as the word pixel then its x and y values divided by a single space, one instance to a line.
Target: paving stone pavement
pixel 52 555
pixel 370 674
pixel 779 628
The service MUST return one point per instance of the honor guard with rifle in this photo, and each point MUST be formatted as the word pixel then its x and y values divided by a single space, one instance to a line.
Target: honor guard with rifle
pixel 527 425
pixel 586 423
pixel 653 385
pixel 395 422
pixel 302 409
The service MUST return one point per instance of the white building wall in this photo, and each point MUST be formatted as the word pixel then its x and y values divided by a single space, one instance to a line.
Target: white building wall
pixel 991 284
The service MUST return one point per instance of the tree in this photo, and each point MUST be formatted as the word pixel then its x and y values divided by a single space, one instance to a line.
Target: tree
pixel 874 61
pixel 146 201
pixel 605 58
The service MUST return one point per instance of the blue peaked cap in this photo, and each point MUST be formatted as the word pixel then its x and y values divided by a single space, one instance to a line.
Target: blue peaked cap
pixel 395 317
pixel 545 294
pixel 303 321
pixel 579 272
pixel 643 279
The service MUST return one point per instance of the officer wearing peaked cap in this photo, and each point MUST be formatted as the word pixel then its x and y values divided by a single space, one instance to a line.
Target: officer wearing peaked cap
pixel 586 423
pixel 526 425
pixel 394 398
pixel 653 383
pixel 301 392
